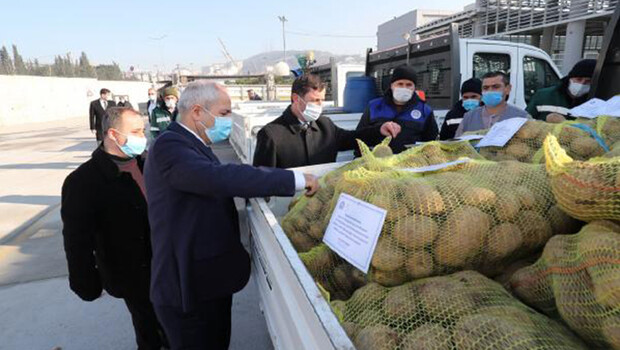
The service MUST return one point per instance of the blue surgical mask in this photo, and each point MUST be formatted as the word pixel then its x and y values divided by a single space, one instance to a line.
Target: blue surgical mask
pixel 134 146
pixel 220 130
pixel 492 98
pixel 470 104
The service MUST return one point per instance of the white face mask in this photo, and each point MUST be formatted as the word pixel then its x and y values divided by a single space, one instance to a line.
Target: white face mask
pixel 171 104
pixel 577 89
pixel 152 97
pixel 402 95
pixel 312 111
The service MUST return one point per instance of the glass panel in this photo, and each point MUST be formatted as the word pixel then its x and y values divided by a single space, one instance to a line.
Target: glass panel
pixel 537 74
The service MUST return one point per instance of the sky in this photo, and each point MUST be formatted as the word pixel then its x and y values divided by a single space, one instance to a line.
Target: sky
pixel 150 35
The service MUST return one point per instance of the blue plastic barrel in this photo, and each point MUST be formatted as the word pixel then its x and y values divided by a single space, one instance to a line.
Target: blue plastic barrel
pixel 358 92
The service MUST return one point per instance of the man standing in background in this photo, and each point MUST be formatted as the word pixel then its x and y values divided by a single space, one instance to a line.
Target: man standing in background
pixel 165 113
pixel 152 102
pixel 97 112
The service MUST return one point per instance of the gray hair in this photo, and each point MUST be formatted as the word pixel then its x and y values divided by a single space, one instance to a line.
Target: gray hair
pixel 202 92
pixel 113 115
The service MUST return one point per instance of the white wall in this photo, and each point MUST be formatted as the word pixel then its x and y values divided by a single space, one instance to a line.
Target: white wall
pixel 390 33
pixel 27 99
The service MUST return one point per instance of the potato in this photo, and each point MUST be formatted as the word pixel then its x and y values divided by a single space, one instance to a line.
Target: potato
pixel 529 130
pixel 483 331
pixel 429 336
pixel 319 260
pixel 420 264
pixel 378 337
pixel 462 239
pixel 479 197
pixel 382 151
pixel 424 199
pixel 568 134
pixel 313 208
pixel 298 222
pixel 535 229
pixel 443 299
pixel 525 196
pixel 534 288
pixel 507 207
pixel 388 256
pixel 351 329
pixel 401 303
pixel 316 231
pixel 519 150
pixel 389 278
pixel 611 331
pixel 342 278
pixel 415 231
pixel 583 147
pixel 606 286
pixel 503 241
pixel 368 296
pixel 301 241
pixel 561 223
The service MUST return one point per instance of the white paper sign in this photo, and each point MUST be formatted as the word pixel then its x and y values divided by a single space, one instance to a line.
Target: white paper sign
pixel 354 229
pixel 502 132
pixel 436 167
pixel 590 109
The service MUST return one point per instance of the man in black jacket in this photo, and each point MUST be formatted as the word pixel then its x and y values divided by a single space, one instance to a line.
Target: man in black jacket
pixel 471 93
pixel 106 229
pixel 97 111
pixel 302 137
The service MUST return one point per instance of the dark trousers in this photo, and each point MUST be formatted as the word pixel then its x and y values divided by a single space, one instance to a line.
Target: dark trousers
pixel 149 333
pixel 205 327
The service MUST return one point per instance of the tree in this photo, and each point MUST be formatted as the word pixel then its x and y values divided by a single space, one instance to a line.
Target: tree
pixel 84 68
pixel 6 64
pixel 18 62
pixel 109 72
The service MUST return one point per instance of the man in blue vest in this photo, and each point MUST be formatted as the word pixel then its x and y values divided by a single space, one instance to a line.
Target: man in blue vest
pixel 403 106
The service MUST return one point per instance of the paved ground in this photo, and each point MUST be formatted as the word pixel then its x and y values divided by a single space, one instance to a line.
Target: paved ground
pixel 37 309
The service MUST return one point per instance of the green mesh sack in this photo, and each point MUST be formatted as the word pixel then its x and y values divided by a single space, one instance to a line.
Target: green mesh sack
pixel 577 280
pixel 587 190
pixel 461 311
pixel 608 128
pixel 527 144
pixel 308 216
pixel 479 215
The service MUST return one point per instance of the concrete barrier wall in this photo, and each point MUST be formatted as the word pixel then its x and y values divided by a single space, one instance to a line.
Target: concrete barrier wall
pixel 27 99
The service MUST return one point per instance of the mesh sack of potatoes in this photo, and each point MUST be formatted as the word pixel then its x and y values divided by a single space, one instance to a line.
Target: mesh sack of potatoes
pixel 308 217
pixel 587 190
pixel 577 279
pixel 479 215
pixel 579 139
pixel 461 311
pixel 608 128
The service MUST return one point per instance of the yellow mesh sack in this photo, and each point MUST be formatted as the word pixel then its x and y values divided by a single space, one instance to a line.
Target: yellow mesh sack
pixel 577 280
pixel 526 145
pixel 460 311
pixel 479 215
pixel 587 190
pixel 308 217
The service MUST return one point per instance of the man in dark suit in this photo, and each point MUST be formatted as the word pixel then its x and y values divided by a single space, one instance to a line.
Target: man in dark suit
pixel 302 137
pixel 198 260
pixel 105 224
pixel 97 111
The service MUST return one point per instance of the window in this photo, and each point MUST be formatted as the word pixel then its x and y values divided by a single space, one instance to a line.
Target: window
pixel 490 62
pixel 537 74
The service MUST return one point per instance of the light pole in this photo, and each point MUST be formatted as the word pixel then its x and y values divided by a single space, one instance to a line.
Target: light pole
pixel 407 36
pixel 283 20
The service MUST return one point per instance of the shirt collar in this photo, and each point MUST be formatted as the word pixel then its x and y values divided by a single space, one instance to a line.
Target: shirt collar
pixel 193 133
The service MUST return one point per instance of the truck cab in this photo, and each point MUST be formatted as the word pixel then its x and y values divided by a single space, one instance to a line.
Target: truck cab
pixel 444 63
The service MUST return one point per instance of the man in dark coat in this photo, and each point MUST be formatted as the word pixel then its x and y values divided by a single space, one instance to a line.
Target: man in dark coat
pixel 198 260
pixel 401 105
pixel 105 224
pixel 552 103
pixel 97 110
pixel 471 93
pixel 301 136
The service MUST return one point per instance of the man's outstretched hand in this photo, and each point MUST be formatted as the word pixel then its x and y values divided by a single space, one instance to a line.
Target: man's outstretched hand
pixel 312 184
pixel 390 129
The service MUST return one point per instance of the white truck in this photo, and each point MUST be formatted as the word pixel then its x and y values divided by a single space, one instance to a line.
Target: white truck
pixel 298 317
pixel 441 63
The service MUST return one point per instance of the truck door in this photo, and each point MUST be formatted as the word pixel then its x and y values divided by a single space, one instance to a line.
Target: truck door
pixel 484 58
pixel 537 72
